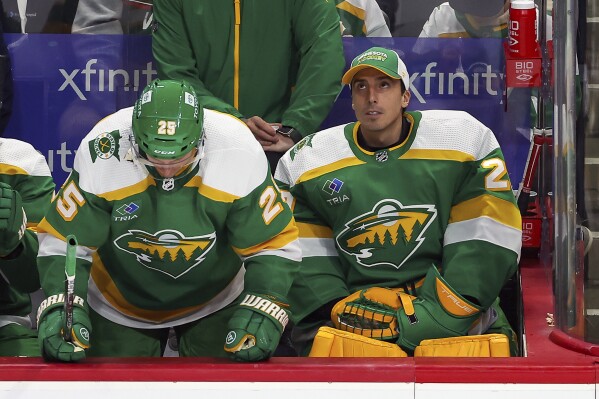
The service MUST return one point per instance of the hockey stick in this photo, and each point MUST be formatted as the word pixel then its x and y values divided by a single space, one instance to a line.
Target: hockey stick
pixel 530 170
pixel 69 270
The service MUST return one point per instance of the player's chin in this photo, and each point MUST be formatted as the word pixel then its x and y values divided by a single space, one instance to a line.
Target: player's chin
pixel 372 125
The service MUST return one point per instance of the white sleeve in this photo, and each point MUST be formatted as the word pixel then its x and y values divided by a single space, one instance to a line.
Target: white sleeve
pixel 376 26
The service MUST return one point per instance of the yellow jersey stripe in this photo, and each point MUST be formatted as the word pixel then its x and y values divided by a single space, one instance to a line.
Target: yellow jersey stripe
pixel 129 191
pixel 45 227
pixel 308 230
pixel 287 236
pixel 236 54
pixel 7 169
pixel 488 205
pixel 353 10
pixel 322 170
pixel 112 294
pixel 210 192
pixel 443 155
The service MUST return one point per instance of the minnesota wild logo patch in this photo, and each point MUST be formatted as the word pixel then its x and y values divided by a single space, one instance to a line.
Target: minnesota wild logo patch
pixel 166 251
pixel 105 145
pixel 388 234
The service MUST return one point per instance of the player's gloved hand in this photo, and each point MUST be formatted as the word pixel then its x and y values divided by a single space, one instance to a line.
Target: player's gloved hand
pixel 255 328
pixel 13 221
pixel 51 335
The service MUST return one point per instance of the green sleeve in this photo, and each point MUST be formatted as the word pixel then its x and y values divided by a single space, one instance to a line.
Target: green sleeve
pixel 21 271
pixel 321 276
pixel 174 57
pixel 318 38
pixel 262 230
pixel 36 193
pixel 83 214
pixel 483 238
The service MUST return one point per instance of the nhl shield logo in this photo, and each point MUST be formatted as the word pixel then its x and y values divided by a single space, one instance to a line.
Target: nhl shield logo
pixel 381 156
pixel 387 235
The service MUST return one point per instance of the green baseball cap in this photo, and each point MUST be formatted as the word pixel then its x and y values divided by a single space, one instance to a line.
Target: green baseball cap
pixel 385 60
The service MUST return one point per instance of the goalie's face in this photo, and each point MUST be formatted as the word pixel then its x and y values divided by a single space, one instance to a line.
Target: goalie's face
pixel 378 101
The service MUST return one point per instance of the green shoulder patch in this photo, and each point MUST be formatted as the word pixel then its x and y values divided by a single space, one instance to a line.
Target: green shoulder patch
pixel 303 143
pixel 105 145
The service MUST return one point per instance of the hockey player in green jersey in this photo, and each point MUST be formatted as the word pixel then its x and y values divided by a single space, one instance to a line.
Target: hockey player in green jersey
pixel 361 18
pixel 418 204
pixel 26 189
pixel 179 224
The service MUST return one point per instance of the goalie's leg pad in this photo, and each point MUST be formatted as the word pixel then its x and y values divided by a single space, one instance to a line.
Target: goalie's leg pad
pixel 502 326
pixel 330 342
pixel 485 345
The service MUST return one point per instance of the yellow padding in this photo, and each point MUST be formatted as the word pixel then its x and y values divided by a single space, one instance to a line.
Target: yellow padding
pixel 370 312
pixel 330 342
pixel 486 345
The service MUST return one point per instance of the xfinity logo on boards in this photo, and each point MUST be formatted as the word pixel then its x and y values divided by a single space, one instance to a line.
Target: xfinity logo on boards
pixel 105 79
pixel 476 82
pixel 60 159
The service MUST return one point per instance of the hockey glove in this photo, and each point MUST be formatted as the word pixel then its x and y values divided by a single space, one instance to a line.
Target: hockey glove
pixel 437 312
pixel 13 221
pixel 51 331
pixel 255 328
pixel 371 312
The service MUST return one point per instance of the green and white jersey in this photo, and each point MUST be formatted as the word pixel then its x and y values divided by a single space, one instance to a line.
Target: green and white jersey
pixel 160 255
pixel 26 171
pixel 442 197
pixel 445 22
pixel 359 18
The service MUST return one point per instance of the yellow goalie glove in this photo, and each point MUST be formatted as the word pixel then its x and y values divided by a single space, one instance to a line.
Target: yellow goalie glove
pixel 371 312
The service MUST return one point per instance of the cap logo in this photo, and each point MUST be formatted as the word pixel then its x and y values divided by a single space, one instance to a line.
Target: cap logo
pixel 372 55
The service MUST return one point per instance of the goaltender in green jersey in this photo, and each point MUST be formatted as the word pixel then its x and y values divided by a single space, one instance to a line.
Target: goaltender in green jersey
pixel 179 224
pixel 408 224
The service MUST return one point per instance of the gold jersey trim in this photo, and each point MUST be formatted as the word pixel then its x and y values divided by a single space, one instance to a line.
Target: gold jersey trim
pixel 487 205
pixel 287 236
